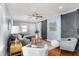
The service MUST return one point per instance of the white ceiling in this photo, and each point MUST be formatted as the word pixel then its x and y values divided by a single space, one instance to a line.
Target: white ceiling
pixel 20 11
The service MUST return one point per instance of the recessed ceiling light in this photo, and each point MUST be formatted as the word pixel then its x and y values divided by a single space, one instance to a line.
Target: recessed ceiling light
pixel 60 7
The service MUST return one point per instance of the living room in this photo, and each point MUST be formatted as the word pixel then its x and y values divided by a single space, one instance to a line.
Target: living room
pixel 39 29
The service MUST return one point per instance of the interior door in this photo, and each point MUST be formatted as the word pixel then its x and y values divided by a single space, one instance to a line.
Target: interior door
pixel 44 29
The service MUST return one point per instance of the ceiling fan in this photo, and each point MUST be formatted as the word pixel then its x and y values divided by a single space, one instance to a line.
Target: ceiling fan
pixel 36 16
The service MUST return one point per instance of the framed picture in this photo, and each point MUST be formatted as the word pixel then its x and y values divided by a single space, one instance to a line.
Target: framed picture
pixel 53 26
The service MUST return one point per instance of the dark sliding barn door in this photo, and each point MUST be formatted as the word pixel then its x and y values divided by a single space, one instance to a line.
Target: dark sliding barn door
pixel 44 29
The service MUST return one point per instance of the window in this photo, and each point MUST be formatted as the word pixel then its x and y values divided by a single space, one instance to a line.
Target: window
pixel 15 29
pixel 24 28
pixel 18 29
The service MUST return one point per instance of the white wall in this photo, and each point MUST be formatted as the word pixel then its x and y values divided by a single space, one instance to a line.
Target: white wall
pixel 3 30
pixel 54 35
pixel 32 28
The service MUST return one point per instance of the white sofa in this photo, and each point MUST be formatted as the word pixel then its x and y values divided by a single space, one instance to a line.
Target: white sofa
pixel 29 51
pixel 68 44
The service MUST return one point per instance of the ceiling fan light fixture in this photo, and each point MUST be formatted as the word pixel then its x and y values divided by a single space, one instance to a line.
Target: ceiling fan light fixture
pixel 34 17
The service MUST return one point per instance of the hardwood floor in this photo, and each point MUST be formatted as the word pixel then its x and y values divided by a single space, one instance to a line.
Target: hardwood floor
pixel 58 52
pixel 54 52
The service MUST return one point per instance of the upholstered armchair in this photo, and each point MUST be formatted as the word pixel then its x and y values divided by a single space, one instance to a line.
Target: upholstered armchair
pixel 68 44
